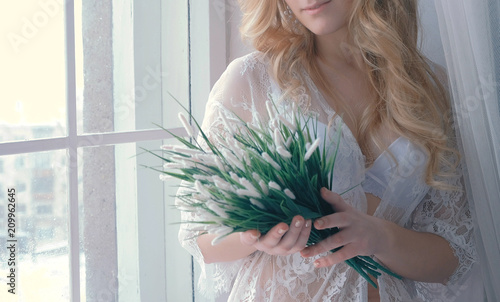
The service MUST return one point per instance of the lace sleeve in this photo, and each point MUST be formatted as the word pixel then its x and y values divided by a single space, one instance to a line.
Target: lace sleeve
pixel 235 92
pixel 446 213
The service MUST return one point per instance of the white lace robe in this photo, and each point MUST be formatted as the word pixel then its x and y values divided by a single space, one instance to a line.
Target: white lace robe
pixel 407 201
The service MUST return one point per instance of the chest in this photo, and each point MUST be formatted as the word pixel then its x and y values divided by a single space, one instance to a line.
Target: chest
pixel 352 97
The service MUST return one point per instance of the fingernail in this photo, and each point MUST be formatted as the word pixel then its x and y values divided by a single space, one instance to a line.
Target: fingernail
pixel 298 223
pixel 254 236
pixel 320 222
pixel 316 263
pixel 281 231
pixel 308 223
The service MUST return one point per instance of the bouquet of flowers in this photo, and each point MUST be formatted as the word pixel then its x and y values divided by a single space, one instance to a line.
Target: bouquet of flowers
pixel 257 175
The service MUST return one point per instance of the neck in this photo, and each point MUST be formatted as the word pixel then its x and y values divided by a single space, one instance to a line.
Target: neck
pixel 337 50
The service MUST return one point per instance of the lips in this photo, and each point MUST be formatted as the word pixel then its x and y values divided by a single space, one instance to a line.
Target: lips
pixel 315 6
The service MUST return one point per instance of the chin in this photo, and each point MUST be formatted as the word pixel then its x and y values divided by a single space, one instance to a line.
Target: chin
pixel 326 30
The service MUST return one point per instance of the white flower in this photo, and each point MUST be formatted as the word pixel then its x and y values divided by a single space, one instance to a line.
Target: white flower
pixel 232 159
pixel 311 149
pixel 270 161
pixel 248 193
pixel 256 176
pixel 274 185
pixel 264 187
pixel 201 189
pixel 278 138
pixel 257 203
pixel 222 184
pixel 173 166
pixel 224 232
pixel 199 197
pixel 238 151
pixel 167 147
pixel 217 240
pixel 270 109
pixel 229 127
pixel 214 207
pixel 205 215
pixel 164 177
pixel 202 177
pixel 288 142
pixel 248 185
pixel 180 159
pixel 289 193
pixel 219 164
pixel 186 150
pixel 283 152
pixel 208 159
pixel 273 124
pixel 221 230
pixel 289 125
pixel 234 176
pixel 186 124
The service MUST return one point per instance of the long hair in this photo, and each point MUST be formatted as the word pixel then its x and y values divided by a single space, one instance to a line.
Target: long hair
pixel 410 97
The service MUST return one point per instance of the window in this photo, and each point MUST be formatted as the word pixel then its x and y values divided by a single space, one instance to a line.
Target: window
pixel 43 184
pixel 20 186
pixel 91 215
pixel 19 163
pixel 45 233
pixel 21 208
pixel 44 209
pixel 41 132
pixel 42 161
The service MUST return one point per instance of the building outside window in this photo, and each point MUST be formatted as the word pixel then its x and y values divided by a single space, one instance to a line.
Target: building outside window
pixel 83 84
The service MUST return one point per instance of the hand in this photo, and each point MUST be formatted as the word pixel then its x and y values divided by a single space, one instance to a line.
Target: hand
pixel 282 239
pixel 360 234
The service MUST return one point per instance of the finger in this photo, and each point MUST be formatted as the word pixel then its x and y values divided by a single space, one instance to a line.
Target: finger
pixel 336 220
pixel 304 236
pixel 332 242
pixel 335 200
pixel 289 241
pixel 345 253
pixel 250 237
pixel 272 238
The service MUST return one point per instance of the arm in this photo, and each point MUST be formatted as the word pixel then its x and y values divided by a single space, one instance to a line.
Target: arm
pixel 415 255
pixel 280 240
pixel 405 252
pixel 229 249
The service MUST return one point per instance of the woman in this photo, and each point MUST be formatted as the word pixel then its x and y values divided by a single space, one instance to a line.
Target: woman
pixel 351 62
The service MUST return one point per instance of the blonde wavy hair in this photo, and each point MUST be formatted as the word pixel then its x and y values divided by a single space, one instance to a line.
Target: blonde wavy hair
pixel 410 97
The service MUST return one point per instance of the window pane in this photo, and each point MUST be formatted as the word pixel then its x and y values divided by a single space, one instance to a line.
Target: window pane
pixel 39 226
pixel 32 78
pixel 129 227
pixel 137 58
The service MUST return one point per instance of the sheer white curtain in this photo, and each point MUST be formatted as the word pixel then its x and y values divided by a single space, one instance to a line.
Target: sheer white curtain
pixel 470 32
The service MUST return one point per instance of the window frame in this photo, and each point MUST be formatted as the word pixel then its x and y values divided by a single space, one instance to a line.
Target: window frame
pixel 207 19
